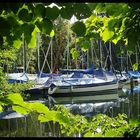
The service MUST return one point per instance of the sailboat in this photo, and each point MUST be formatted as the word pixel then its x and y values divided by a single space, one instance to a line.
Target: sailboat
pixel 20 74
pixel 96 84
pixel 132 73
pixel 101 84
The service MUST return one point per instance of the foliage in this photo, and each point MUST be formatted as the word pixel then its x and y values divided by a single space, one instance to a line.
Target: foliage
pixel 115 22
pixel 100 125
pixel 6 88
pixel 28 17
pixel 135 66
pixel 109 21
pixel 7 57
pixel 79 28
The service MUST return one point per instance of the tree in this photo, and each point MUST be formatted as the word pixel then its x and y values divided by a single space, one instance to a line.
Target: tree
pixel 24 20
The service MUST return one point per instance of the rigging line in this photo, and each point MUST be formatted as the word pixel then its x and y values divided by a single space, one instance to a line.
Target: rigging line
pixel 108 55
pixel 129 59
pixel 28 64
pixel 45 57
pixel 96 58
pixel 138 46
pixel 136 54
pixel 19 54
pixel 46 60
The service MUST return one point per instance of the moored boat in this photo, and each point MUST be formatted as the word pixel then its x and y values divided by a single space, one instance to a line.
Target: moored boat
pixel 100 84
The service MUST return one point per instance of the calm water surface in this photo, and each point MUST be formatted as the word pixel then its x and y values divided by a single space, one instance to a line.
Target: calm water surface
pixel 16 125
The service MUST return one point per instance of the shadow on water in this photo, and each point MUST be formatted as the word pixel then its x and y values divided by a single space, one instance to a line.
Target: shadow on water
pixel 13 124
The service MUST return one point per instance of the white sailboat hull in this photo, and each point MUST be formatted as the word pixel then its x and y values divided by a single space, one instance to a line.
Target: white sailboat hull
pixel 93 92
pixel 73 89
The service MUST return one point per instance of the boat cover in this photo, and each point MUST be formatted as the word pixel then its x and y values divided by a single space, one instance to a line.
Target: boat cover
pixel 42 74
pixel 83 71
pixel 17 77
pixel 134 74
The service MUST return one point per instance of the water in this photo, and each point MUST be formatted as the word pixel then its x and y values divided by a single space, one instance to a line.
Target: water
pixel 13 124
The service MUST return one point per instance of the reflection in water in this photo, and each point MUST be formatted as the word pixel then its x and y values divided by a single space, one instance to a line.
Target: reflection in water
pixel 13 124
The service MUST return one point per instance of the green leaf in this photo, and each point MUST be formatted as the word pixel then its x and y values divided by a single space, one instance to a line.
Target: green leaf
pixel 79 28
pixel 98 135
pixel 4 27
pixel 17 43
pixel 62 119
pixel 92 6
pixel 42 118
pixel 12 20
pixel 52 33
pixel 39 10
pixel 114 9
pixel 135 66
pixel 88 134
pixel 20 109
pixel 1 109
pixel 66 13
pixel 82 11
pixel 38 24
pixel 27 29
pixel 16 98
pixel 50 116
pixel 111 133
pixel 74 53
pixel 111 24
pixel 106 35
pixel 132 40
pixel 47 26
pixel 85 44
pixel 24 15
pixel 32 43
pixel 4 101
pixel 134 122
pixel 39 107
pixel 100 7
pixel 52 13
pixel 116 39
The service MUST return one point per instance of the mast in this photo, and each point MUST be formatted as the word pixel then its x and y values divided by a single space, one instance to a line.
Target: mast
pixel 100 53
pixel 68 54
pixel 110 56
pixel 24 56
pixel 68 48
pixel 127 60
pixel 136 54
pixel 51 55
pixel 38 52
pixel 92 50
pixel 87 58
